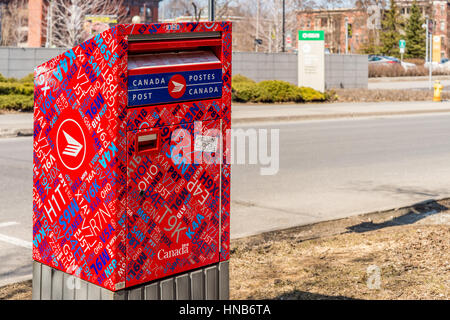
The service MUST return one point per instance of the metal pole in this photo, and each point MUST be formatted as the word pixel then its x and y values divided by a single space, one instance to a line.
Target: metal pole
pixel 257 26
pixel 346 35
pixel 284 34
pixel 431 59
pixel 1 19
pixel 211 10
pixel 426 42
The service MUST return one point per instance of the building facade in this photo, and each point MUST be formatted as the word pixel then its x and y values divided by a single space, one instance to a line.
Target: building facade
pixel 365 23
pixel 147 10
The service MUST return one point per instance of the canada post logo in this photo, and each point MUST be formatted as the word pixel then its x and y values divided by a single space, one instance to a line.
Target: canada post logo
pixel 177 86
pixel 71 144
pixel 174 87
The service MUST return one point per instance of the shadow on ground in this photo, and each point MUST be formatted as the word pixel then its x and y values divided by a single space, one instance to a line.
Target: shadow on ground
pixel 417 212
pixel 303 295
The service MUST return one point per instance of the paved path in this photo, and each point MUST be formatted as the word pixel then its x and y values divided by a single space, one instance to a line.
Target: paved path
pixel 243 113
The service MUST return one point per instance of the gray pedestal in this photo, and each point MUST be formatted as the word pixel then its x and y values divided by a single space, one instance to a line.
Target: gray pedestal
pixel 208 283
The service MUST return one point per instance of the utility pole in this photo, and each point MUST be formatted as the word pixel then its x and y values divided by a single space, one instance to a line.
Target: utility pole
pixel 426 41
pixel 284 33
pixel 430 51
pixel 257 26
pixel 346 35
pixel 211 10
pixel 430 72
pixel 1 19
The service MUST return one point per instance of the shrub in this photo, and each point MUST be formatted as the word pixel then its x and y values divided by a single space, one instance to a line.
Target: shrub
pixel 277 91
pixel 16 88
pixel 309 94
pixel 243 91
pixel 18 102
pixel 28 79
pixel 239 78
pixel 17 94
pixel 270 91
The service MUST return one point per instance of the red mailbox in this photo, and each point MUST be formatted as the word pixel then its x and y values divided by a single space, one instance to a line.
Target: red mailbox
pixel 131 182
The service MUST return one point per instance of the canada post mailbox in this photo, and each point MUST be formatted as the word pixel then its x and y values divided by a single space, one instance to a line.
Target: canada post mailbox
pixel 131 182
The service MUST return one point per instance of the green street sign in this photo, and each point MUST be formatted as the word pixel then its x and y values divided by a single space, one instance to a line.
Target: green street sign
pixel 402 44
pixel 308 35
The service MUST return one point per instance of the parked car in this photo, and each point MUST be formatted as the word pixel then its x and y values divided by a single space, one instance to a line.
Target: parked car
pixel 388 60
pixel 382 60
pixel 441 66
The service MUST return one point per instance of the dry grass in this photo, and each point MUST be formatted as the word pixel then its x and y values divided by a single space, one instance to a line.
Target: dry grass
pixel 16 291
pixel 414 264
pixel 397 70
pixel 368 95
pixel 330 260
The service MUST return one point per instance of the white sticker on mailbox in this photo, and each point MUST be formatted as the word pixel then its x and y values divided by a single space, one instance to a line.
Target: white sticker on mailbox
pixel 205 143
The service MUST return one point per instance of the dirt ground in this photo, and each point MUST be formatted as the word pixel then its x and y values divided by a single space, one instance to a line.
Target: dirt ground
pixel 396 254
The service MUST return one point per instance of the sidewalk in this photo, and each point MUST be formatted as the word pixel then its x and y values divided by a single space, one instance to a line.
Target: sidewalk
pixel 16 124
pixel 21 124
pixel 243 113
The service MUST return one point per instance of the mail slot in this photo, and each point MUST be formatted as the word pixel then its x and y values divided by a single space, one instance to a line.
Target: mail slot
pixel 130 178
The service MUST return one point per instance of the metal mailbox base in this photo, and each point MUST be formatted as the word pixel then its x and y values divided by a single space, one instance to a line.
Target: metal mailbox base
pixel 208 283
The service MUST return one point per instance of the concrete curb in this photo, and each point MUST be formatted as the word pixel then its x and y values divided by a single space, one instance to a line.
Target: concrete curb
pixel 11 133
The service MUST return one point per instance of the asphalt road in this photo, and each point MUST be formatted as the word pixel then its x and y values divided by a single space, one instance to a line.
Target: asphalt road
pixel 336 168
pixel 328 169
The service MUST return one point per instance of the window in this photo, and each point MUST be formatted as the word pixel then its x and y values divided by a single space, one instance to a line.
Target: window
pixel 442 25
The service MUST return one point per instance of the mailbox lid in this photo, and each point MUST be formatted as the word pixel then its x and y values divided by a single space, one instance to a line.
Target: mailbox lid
pixel 170 77
pixel 173 200
pixel 155 62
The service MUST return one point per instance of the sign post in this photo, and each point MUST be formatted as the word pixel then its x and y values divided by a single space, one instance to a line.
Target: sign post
pixel 436 48
pixel 402 46
pixel 311 59
pixel 288 40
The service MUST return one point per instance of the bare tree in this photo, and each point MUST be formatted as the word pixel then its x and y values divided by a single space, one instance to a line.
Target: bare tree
pixel 172 9
pixel 66 24
pixel 14 23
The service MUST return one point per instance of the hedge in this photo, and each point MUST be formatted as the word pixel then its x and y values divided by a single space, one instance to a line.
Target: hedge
pixel 17 94
pixel 18 102
pixel 270 91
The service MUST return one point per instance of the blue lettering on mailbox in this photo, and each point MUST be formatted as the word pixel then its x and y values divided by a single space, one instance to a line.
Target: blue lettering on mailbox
pixel 174 86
